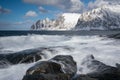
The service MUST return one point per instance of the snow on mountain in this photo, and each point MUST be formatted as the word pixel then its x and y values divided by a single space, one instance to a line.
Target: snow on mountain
pixel 66 21
pixel 103 18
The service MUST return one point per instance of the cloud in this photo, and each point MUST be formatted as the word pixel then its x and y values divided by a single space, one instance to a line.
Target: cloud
pixel 31 14
pixel 65 5
pixel 4 10
pixel 42 10
pixel 99 3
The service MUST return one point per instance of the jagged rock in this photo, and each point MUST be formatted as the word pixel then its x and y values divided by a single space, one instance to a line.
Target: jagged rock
pixel 100 70
pixel 67 63
pixel 30 55
pixel 53 69
pixel 45 67
pixel 25 56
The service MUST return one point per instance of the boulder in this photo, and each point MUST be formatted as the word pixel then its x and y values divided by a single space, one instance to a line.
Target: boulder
pixel 67 63
pixel 100 70
pixel 59 76
pixel 53 69
pixel 45 67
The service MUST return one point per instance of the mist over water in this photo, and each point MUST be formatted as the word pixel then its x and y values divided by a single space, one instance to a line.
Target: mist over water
pixel 104 49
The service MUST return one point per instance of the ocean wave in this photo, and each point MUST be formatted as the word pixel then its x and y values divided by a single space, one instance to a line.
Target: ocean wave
pixel 104 49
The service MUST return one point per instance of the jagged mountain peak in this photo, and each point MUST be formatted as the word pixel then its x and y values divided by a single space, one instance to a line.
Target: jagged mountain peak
pixel 103 18
pixel 66 21
pixel 106 17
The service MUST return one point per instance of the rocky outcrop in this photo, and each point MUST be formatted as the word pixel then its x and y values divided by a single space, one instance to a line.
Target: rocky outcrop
pixel 47 77
pixel 58 68
pixel 115 36
pixel 100 70
pixel 67 63
pixel 63 67
pixel 83 77
pixel 26 56
pixel 30 55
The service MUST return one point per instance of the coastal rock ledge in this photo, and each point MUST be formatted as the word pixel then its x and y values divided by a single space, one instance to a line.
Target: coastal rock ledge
pixel 63 67
pixel 58 68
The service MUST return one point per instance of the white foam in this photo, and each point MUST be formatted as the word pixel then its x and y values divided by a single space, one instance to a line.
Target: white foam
pixel 104 49
pixel 15 72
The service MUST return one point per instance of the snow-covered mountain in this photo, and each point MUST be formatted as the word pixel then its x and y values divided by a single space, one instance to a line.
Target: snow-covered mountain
pixel 66 21
pixel 103 18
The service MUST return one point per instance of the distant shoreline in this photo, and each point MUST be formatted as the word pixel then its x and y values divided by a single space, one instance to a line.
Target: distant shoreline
pixel 48 32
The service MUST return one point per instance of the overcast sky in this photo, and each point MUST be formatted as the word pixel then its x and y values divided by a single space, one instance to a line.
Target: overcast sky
pixel 21 14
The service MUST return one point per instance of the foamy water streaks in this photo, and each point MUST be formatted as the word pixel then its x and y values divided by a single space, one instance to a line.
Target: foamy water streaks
pixel 104 49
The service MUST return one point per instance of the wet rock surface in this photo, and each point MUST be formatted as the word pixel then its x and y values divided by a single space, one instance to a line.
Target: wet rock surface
pixel 30 55
pixel 26 56
pixel 100 70
pixel 47 77
pixel 115 36
pixel 67 63
pixel 53 69
pixel 63 67
pixel 83 77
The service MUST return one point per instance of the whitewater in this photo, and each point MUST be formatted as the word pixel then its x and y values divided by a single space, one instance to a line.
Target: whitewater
pixel 104 49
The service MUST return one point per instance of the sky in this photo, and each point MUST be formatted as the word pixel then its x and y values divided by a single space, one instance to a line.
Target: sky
pixel 21 14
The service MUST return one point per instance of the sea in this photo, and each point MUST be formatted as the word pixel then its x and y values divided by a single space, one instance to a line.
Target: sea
pixel 81 44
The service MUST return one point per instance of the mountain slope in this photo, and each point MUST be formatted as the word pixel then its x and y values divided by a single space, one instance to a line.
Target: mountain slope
pixel 66 21
pixel 104 18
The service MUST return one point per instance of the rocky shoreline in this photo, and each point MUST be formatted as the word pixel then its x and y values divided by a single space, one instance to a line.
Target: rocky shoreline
pixel 63 67
pixel 60 67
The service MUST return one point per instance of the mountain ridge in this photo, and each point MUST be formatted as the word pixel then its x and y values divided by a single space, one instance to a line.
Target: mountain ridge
pixel 104 18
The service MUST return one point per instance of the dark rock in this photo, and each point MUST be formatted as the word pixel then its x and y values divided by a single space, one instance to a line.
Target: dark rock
pixel 115 36
pixel 26 56
pixel 47 77
pixel 30 55
pixel 33 77
pixel 45 67
pixel 100 70
pixel 53 69
pixel 118 67
pixel 83 77
pixel 67 63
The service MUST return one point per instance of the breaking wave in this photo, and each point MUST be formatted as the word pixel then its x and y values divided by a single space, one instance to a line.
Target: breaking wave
pixel 104 49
